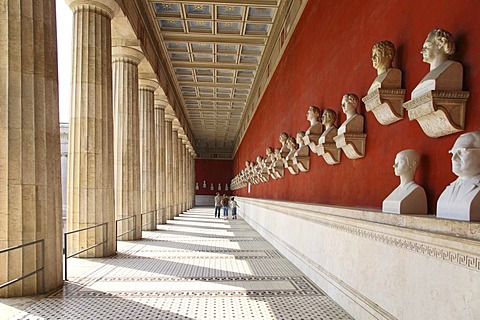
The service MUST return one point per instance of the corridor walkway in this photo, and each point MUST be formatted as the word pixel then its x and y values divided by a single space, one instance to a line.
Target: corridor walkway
pixel 195 267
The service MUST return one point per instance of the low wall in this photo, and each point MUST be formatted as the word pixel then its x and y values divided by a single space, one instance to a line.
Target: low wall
pixel 204 200
pixel 376 265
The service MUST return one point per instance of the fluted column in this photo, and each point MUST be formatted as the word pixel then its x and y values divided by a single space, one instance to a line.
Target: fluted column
pixel 169 212
pixel 180 172
pixel 192 178
pixel 184 174
pixel 90 199
pixel 160 158
pixel 175 169
pixel 30 187
pixel 127 141
pixel 147 153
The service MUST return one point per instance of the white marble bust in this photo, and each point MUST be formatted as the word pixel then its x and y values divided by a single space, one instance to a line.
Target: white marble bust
pixel 461 199
pixel 354 121
pixel 328 120
pixel 388 77
pixel 444 74
pixel 269 156
pixel 283 139
pixel 292 147
pixel 303 150
pixel 313 116
pixel 408 197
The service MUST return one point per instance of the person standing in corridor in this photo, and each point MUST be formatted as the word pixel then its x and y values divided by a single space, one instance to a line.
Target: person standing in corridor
pixel 225 203
pixel 218 204
pixel 234 205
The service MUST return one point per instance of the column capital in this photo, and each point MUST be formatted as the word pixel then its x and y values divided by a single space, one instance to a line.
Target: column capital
pixel 161 100
pixel 176 125
pixel 148 84
pixel 128 53
pixel 109 6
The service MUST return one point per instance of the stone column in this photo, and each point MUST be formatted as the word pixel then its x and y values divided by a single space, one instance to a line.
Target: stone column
pixel 30 185
pixel 181 191
pixel 175 169
pixel 185 175
pixel 161 174
pixel 147 153
pixel 127 142
pixel 90 199
pixel 169 212
pixel 192 178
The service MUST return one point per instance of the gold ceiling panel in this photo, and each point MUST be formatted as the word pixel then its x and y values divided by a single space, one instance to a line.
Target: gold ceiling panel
pixel 215 51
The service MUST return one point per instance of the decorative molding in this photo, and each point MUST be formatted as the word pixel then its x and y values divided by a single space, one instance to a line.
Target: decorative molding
pixel 348 224
pixel 352 144
pixel 439 113
pixel 386 104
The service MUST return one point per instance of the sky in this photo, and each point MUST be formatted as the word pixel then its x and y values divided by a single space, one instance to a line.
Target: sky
pixel 64 47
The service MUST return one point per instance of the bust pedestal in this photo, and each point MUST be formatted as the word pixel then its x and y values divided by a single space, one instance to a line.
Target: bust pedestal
pixel 386 104
pixel 311 136
pixel 460 201
pixel 410 199
pixel 327 148
pixel 439 113
pixel 437 103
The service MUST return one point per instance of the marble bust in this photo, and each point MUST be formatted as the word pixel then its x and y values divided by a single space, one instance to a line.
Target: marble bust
pixel 461 199
pixel 289 164
pixel 315 130
pixel 283 139
pixel 408 197
pixel 313 116
pixel 269 156
pixel 302 150
pixel 328 120
pixel 388 77
pixel 444 74
pixel 354 121
pixel 292 147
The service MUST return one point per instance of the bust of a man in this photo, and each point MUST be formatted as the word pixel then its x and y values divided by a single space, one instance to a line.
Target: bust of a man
pixel 461 199
pixel 313 116
pixel 354 121
pixel 292 147
pixel 444 74
pixel 328 120
pixel 408 197
pixel 269 156
pixel 303 150
pixel 283 139
pixel 388 77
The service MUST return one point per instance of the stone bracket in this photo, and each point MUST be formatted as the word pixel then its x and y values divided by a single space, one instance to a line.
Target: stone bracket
pixel 311 141
pixel 439 113
pixel 330 153
pixel 292 168
pixel 352 144
pixel 303 163
pixel 386 104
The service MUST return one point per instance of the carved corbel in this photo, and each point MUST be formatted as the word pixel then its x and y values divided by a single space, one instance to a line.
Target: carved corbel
pixel 303 163
pixel 386 104
pixel 439 113
pixel 352 144
pixel 330 153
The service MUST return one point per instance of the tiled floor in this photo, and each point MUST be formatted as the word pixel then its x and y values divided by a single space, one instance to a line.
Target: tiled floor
pixel 195 267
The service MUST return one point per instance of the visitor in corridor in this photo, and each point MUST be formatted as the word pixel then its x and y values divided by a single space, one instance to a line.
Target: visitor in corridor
pixel 234 205
pixel 225 203
pixel 218 204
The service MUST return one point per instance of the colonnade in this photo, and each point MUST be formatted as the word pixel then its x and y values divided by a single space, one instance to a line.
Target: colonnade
pixel 130 161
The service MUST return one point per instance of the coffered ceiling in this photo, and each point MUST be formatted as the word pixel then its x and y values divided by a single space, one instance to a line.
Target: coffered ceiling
pixel 218 55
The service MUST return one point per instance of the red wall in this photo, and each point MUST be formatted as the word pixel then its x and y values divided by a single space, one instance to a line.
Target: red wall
pixel 330 55
pixel 216 171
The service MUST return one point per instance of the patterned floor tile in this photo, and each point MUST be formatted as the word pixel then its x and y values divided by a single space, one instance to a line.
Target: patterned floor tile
pixel 194 267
